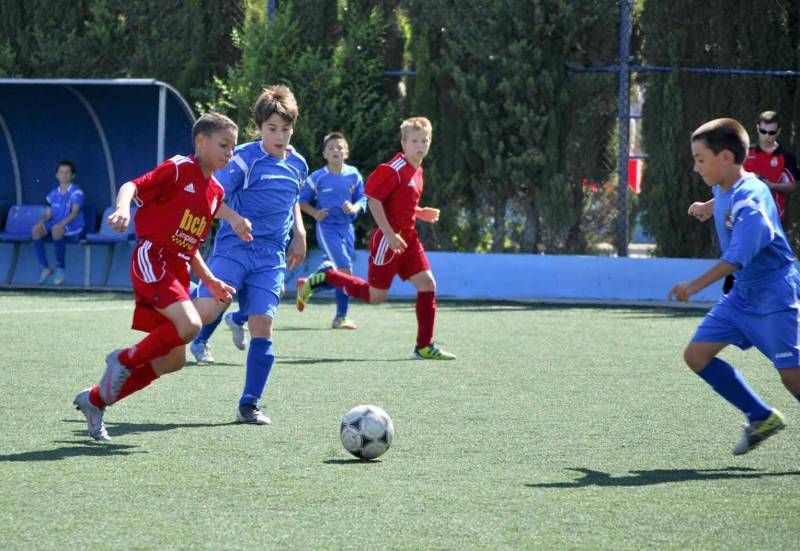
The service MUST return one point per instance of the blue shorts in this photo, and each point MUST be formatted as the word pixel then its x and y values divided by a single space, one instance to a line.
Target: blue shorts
pixel 339 244
pixel 775 333
pixel 257 274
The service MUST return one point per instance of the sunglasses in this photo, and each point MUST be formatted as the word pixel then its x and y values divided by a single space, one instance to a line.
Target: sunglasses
pixel 766 132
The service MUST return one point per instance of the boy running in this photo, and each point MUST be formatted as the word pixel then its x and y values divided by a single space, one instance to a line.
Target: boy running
pixel 177 202
pixel 394 190
pixel 762 308
pixel 334 196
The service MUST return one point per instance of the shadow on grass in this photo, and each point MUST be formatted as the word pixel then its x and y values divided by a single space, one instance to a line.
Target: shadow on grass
pixel 352 461
pixel 73 449
pixel 660 476
pixel 121 429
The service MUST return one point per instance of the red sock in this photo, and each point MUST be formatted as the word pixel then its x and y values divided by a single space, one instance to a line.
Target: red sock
pixel 158 343
pixel 426 315
pixel 140 378
pixel 355 287
pixel 94 397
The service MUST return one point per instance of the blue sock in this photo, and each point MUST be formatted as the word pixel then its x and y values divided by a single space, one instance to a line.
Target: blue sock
pixel 342 302
pixel 239 318
pixel 208 330
pixel 259 363
pixel 728 383
pixel 61 251
pixel 38 245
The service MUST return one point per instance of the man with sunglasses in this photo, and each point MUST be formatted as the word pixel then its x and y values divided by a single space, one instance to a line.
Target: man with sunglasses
pixel 768 160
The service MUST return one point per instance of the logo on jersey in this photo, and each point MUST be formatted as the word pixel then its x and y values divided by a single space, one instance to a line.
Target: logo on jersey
pixel 196 225
pixel 728 220
pixel 189 187
pixel 773 162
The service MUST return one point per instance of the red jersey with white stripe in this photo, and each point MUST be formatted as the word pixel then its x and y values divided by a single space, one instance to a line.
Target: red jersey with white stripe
pixel 777 166
pixel 397 184
pixel 177 204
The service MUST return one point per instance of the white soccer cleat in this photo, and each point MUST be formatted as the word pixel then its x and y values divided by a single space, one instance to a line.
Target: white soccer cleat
pixel 201 352
pixel 252 415
pixel 94 416
pixel 113 378
pixel 237 332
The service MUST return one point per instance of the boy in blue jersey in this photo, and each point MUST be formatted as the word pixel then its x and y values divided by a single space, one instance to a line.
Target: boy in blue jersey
pixel 762 308
pixel 337 194
pixel 262 183
pixel 62 220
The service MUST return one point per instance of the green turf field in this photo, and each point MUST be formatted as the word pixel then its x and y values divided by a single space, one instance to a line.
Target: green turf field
pixel 557 427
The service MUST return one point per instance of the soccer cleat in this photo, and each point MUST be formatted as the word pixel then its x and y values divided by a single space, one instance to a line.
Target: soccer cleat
pixel 251 415
pixel 44 274
pixel 58 278
pixel 93 414
pixel 201 352
pixel 758 431
pixel 237 332
pixel 306 286
pixel 113 378
pixel 432 352
pixel 343 323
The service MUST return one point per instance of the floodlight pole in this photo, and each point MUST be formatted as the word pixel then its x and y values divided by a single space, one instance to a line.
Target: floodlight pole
pixel 624 117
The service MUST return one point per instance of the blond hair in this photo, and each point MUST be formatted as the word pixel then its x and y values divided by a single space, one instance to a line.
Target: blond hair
pixel 415 123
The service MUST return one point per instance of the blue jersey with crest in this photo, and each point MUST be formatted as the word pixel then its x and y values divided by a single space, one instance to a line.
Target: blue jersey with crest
pixel 61 206
pixel 330 191
pixel 264 190
pixel 750 231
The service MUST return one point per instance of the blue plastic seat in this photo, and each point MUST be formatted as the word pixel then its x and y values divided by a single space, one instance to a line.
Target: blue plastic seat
pixel 20 222
pixel 107 235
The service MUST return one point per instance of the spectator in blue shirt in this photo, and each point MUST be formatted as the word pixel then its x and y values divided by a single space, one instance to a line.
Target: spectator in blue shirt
pixel 62 220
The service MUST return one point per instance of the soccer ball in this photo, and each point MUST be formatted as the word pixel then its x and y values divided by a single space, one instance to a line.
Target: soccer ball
pixel 366 431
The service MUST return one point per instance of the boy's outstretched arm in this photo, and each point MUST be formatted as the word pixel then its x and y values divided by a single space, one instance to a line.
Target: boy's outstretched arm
pixel 682 291
pixel 121 217
pixel 427 214
pixel 218 288
pixel 240 224
pixel 396 243
pixel 702 210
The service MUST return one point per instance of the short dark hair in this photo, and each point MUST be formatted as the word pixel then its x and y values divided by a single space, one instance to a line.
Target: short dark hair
pixel 211 122
pixel 333 136
pixel 769 117
pixel 721 134
pixel 67 162
pixel 275 99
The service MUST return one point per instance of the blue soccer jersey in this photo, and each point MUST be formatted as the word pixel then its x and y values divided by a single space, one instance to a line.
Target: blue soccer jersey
pixel 330 191
pixel 762 308
pixel 264 190
pixel 61 205
pixel 750 231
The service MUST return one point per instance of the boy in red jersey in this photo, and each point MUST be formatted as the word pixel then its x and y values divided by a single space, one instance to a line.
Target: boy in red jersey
pixel 394 190
pixel 177 203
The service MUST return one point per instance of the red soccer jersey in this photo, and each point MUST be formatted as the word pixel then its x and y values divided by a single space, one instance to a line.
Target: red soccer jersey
pixel 177 204
pixel 778 165
pixel 398 186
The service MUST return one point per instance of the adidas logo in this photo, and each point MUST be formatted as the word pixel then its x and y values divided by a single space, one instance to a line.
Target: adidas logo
pixel 189 187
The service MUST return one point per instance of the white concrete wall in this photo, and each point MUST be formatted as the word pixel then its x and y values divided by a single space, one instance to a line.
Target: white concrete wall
pixel 548 278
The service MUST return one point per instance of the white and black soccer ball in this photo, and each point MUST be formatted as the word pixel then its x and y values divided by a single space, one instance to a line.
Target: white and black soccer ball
pixel 366 431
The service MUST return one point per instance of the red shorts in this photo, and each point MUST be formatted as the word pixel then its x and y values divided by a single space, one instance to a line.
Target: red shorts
pixel 160 278
pixel 384 263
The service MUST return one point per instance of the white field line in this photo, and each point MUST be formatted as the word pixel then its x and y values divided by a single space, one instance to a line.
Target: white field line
pixel 66 310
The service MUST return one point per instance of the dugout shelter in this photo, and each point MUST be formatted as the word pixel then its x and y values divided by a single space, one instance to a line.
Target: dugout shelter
pixel 113 129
